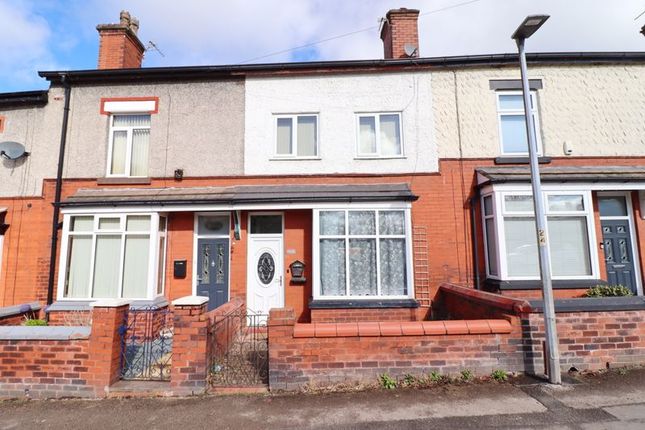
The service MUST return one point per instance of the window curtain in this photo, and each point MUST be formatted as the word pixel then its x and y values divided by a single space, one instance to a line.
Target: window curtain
pixel 569 246
pixel 139 159
pixel 119 148
pixel 135 266
pixel 362 267
pixel 367 130
pixel 332 267
pixel 78 269
pixel 307 136
pixel 521 247
pixel 390 135
pixel 106 266
pixel 393 274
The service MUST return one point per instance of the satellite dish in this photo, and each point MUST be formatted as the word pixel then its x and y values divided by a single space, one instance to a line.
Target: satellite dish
pixel 12 150
pixel 410 50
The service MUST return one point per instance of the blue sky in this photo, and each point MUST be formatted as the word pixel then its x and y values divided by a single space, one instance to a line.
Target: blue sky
pixel 61 35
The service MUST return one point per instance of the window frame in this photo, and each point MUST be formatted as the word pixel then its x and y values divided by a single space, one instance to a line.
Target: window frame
pixel 154 262
pixel 316 289
pixel 536 121
pixel 500 213
pixel 128 155
pixel 377 131
pixel 294 136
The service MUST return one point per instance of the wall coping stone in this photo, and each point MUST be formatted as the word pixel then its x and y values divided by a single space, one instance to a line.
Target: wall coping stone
pixel 403 328
pixel 19 309
pixel 593 304
pixel 190 301
pixel 44 332
pixel 110 303
pixel 516 306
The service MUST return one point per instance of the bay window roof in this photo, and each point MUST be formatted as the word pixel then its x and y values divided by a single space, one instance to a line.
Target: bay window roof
pixel 241 194
pixel 498 174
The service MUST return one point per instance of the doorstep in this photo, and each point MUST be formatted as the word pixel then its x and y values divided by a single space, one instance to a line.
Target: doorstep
pixel 139 389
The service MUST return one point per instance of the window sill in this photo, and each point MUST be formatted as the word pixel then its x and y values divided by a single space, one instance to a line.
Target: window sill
pixel 295 158
pixel 376 303
pixel 84 304
pixel 123 181
pixel 558 284
pixel 510 159
pixel 376 157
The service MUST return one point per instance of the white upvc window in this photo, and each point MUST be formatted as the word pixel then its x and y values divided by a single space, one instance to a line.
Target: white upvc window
pixel 129 143
pixel 362 253
pixel 112 255
pixel 510 237
pixel 512 123
pixel 379 135
pixel 296 136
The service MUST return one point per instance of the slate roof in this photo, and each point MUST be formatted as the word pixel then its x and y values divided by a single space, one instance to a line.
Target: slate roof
pixel 240 194
pixel 499 174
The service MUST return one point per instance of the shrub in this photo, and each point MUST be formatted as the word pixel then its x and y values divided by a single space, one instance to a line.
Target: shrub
pixel 499 375
pixel 467 375
pixel 35 322
pixel 387 381
pixel 608 291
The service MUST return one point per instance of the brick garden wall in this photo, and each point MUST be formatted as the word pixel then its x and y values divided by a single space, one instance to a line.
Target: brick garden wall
pixel 588 340
pixel 328 353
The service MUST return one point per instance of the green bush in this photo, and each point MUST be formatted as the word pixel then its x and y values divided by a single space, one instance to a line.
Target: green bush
pixel 499 375
pixel 435 377
pixel 34 322
pixel 608 291
pixel 467 375
pixel 387 381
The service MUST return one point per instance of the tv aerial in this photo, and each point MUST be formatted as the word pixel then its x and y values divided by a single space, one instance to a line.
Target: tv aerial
pixel 12 150
pixel 153 46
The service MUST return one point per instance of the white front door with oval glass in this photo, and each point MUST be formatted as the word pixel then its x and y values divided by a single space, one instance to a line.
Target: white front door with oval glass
pixel 265 273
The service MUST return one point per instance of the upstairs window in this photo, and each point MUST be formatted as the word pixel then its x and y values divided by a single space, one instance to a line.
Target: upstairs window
pixel 512 124
pixel 296 136
pixel 379 135
pixel 129 145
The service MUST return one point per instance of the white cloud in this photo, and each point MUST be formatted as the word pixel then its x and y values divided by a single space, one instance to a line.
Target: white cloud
pixel 195 32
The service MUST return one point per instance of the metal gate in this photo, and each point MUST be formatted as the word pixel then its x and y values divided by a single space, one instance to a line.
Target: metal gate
pixel 239 351
pixel 146 344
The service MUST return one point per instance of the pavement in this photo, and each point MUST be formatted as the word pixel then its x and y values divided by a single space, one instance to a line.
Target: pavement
pixel 612 400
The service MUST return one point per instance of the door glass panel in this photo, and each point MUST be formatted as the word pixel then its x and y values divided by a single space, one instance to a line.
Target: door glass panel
pixel 266 268
pixel 213 225
pixel 206 262
pixel 266 224
pixel 612 206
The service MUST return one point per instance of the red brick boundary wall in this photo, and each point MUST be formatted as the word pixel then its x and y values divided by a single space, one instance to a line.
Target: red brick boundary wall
pixel 588 340
pixel 457 302
pixel 17 314
pixel 328 353
pixel 48 362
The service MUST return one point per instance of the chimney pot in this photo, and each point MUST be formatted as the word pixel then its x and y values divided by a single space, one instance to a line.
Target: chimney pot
pixel 124 18
pixel 400 28
pixel 134 25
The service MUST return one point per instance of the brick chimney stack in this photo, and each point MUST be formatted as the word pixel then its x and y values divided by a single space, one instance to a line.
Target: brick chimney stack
pixel 400 28
pixel 119 46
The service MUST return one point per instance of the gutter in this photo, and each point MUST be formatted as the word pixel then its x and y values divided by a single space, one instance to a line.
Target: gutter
pixel 64 79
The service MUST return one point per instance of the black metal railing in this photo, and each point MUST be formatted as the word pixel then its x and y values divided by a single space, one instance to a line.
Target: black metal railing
pixel 146 344
pixel 238 350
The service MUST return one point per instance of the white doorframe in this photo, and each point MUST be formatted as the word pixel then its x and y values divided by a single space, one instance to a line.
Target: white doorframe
pixel 197 236
pixel 632 232
pixel 249 261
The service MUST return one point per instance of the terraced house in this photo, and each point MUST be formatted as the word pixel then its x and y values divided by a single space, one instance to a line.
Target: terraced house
pixel 347 191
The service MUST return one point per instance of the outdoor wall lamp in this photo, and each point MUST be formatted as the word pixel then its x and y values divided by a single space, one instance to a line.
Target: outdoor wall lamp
pixel 297 272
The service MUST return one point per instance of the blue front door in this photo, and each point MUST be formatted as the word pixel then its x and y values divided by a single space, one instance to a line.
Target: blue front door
pixel 212 270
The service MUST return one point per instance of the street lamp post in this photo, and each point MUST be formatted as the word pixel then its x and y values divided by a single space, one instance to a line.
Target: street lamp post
pixel 529 26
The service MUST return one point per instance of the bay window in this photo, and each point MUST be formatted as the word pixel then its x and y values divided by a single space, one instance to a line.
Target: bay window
pixel 362 253
pixel 113 256
pixel 510 237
